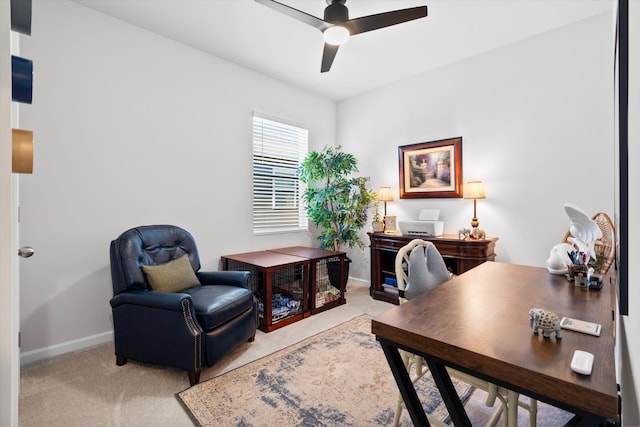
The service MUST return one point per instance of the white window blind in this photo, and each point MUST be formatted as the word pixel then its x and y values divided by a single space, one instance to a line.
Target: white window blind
pixel 278 151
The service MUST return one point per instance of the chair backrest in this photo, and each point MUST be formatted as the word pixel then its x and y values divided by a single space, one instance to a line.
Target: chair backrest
pixel 605 246
pixel 148 245
pixel 419 267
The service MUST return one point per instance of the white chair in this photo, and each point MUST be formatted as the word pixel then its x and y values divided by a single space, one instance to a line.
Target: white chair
pixel 429 271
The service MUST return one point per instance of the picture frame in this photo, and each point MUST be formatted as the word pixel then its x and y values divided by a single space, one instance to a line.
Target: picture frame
pixel 431 169
pixel 390 224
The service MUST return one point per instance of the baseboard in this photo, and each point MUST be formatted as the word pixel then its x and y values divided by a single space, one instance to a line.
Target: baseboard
pixel 45 353
pixel 358 281
pixel 39 354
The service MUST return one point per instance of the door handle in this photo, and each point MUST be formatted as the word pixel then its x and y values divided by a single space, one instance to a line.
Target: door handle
pixel 26 251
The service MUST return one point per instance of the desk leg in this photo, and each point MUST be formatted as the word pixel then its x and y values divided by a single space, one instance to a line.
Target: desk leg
pixel 449 395
pixel 408 392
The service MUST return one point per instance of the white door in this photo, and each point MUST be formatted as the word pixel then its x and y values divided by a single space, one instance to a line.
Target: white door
pixel 9 295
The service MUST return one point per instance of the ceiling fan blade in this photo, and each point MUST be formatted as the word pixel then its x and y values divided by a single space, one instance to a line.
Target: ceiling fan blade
pixel 296 14
pixel 328 55
pixel 386 19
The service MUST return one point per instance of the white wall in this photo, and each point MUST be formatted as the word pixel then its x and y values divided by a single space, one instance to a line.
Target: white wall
pixel 536 119
pixel 133 129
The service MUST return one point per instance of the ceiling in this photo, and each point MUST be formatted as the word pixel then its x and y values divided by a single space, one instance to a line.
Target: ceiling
pixel 256 37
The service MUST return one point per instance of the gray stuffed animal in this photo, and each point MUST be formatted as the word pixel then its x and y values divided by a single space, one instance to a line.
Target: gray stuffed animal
pixel 545 320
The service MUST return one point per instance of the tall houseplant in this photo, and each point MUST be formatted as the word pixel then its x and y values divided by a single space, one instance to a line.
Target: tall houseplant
pixel 336 202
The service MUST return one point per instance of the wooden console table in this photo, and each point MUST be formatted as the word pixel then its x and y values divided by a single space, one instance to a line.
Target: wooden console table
pixel 292 283
pixel 459 255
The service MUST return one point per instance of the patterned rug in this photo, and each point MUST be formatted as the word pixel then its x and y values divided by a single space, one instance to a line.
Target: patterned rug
pixel 338 377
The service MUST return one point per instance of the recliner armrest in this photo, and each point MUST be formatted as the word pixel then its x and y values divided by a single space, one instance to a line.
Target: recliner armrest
pixel 231 278
pixel 152 299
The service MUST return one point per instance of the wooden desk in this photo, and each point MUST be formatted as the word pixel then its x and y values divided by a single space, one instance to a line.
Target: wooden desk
pixel 478 322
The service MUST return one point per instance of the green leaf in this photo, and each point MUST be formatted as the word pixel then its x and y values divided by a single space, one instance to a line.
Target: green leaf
pixel 335 202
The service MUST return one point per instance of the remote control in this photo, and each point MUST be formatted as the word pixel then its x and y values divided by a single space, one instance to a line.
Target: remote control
pixel 582 362
pixel 581 326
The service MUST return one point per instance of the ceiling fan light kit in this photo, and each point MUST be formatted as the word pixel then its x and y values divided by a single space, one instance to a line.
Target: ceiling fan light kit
pixel 336 27
pixel 336 35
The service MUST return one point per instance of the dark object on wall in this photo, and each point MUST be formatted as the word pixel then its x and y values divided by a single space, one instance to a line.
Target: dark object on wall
pixel 21 79
pixel 21 16
pixel 336 27
pixel 622 190
pixel 431 169
pixel 186 329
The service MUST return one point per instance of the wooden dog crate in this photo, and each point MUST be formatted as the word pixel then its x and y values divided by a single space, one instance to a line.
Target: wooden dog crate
pixel 292 283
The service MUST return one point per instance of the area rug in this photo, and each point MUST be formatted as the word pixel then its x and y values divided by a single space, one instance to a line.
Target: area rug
pixel 338 377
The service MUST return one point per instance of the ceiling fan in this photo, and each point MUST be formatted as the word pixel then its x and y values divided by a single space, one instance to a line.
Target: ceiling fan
pixel 336 26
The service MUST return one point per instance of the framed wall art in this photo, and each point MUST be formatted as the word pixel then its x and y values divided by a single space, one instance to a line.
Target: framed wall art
pixel 431 169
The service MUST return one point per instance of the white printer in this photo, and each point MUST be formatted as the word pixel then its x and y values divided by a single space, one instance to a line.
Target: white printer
pixel 427 224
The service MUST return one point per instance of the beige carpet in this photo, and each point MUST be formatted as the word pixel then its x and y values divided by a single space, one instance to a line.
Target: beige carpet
pixel 86 388
pixel 338 377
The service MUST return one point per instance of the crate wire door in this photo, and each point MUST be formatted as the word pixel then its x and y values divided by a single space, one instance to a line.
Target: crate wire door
pixel 326 288
pixel 281 290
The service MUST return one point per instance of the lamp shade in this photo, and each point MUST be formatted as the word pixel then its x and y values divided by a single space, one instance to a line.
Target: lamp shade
pixel 474 190
pixel 385 194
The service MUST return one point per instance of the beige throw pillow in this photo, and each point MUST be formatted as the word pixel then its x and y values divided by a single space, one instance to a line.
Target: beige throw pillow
pixel 173 276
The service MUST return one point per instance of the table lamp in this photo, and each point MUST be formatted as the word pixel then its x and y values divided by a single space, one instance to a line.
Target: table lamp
pixel 386 195
pixel 475 190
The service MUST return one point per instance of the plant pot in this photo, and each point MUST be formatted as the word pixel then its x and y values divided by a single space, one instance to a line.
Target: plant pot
pixel 333 269
pixel 378 226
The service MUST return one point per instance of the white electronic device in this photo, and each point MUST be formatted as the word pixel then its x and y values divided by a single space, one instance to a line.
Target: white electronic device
pixel 582 362
pixel 581 326
pixel 427 224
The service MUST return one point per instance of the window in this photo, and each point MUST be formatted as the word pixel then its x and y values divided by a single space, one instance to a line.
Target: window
pixel 278 151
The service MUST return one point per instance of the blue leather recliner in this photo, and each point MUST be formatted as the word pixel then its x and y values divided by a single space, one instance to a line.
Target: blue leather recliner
pixel 189 329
